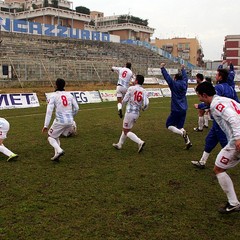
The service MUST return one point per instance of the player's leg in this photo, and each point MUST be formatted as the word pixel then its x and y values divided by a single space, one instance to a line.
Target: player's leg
pixel 123 136
pixel 53 138
pixel 120 96
pixel 211 142
pixel 200 120
pixel 227 158
pixel 171 124
pixel 206 118
pixel 128 125
pixel 3 135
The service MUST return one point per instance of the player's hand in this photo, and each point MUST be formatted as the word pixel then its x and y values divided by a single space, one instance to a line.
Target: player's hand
pixel 237 144
pixel 44 129
pixel 162 65
pixel 196 105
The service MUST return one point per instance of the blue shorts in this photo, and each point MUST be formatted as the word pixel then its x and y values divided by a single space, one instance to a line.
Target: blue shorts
pixel 215 136
pixel 176 119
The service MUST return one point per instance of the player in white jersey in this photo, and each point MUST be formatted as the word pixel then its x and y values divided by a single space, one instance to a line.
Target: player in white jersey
pixel 70 132
pixel 4 128
pixel 226 112
pixel 124 77
pixel 66 107
pixel 136 100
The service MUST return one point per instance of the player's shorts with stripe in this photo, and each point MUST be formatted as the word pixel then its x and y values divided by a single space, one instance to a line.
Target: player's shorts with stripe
pixel 57 129
pixel 228 157
pixel 129 120
pixel 4 128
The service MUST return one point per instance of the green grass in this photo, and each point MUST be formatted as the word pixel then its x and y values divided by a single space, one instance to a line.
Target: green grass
pixel 98 192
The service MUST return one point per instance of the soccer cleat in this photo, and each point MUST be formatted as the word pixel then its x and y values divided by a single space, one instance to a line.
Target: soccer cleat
pixel 140 146
pixel 197 129
pixel 205 126
pixel 117 146
pixel 188 146
pixel 57 156
pixel 120 113
pixel 185 137
pixel 198 164
pixel 12 157
pixel 229 209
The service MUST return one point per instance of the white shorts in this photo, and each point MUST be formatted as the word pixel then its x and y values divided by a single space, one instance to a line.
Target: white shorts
pixel 129 120
pixel 121 91
pixel 4 128
pixel 57 129
pixel 70 131
pixel 228 157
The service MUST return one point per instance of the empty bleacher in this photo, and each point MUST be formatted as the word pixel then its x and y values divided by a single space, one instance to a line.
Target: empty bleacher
pixel 41 59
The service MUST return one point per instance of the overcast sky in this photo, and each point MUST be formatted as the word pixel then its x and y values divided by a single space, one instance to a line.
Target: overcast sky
pixel 207 20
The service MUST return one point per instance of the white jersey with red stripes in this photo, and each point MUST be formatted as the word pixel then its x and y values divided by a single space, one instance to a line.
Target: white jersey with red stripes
pixel 226 112
pixel 124 75
pixel 66 107
pixel 136 99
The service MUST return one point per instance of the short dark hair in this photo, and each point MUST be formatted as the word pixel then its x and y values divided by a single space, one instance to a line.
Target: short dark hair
pixel 128 65
pixel 60 83
pixel 178 76
pixel 208 79
pixel 207 88
pixel 200 76
pixel 140 79
pixel 223 73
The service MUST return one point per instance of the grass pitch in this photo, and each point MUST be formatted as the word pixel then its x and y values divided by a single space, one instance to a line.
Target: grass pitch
pixel 97 192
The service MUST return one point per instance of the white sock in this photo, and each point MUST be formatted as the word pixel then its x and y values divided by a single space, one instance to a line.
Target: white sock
pixel 5 150
pixel 175 130
pixel 204 157
pixel 119 106
pixel 54 143
pixel 122 139
pixel 206 120
pixel 134 137
pixel 200 123
pixel 209 116
pixel 227 186
pixel 58 141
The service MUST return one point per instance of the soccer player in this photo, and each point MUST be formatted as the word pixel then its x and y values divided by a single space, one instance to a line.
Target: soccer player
pixel 70 132
pixel 66 107
pixel 225 112
pixel 136 100
pixel 4 128
pixel 216 135
pixel 203 116
pixel 124 76
pixel 179 106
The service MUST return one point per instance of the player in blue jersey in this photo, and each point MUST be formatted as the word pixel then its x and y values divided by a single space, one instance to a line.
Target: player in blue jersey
pixel 178 86
pixel 216 135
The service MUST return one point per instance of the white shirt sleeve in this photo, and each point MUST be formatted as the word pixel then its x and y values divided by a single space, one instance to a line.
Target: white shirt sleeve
pixel 50 108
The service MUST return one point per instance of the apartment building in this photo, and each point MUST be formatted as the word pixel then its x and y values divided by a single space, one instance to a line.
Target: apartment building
pixel 63 14
pixel 188 49
pixel 231 50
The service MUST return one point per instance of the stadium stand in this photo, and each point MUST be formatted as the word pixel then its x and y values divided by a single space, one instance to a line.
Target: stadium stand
pixel 35 59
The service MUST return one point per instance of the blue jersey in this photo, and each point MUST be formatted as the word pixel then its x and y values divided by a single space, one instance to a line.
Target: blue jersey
pixel 222 89
pixel 178 90
pixel 231 75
